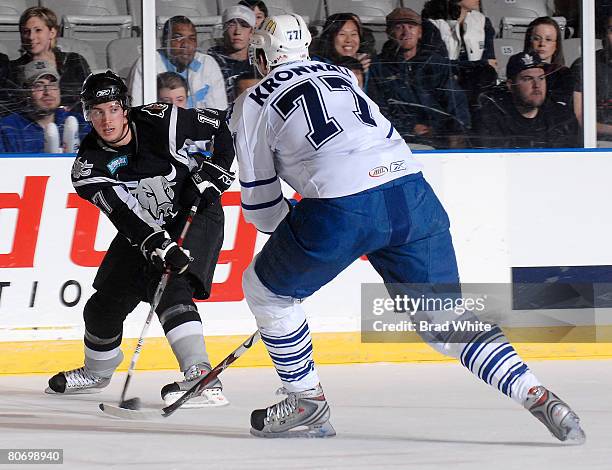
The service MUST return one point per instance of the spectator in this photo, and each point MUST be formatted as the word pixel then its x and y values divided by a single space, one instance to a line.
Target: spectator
pixel 39 28
pixel 354 66
pixel 259 8
pixel 342 36
pixel 571 10
pixel 521 115
pixel 233 55
pixel 468 35
pixel 246 80
pixel 205 87
pixel 172 89
pixel 466 31
pixel 24 132
pixel 543 36
pixel 416 89
pixel 5 105
pixel 603 76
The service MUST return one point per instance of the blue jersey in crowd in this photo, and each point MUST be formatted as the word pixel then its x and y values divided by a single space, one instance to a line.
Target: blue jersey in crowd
pixel 19 134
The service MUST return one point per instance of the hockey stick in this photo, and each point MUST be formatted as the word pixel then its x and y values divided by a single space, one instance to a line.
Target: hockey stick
pixel 124 413
pixel 134 403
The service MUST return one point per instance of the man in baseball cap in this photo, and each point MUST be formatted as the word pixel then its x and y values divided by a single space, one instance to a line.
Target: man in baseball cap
pixel 519 115
pixel 233 55
pixel 403 15
pixel 526 79
pixel 404 27
pixel 25 131
pixel 416 86
pixel 37 69
pixel 523 61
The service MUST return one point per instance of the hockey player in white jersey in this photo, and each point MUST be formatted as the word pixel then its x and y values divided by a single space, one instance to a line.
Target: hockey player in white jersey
pixel 309 124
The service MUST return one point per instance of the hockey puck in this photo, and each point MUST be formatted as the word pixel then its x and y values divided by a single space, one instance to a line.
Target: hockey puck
pixel 131 404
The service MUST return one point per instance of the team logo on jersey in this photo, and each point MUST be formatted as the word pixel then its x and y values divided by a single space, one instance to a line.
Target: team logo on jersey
pixel 81 168
pixel 155 196
pixel 378 171
pixel 155 109
pixel 117 163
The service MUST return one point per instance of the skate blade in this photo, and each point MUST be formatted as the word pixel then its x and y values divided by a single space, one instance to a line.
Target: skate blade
pixel 312 432
pixel 85 391
pixel 208 399
pixel 575 434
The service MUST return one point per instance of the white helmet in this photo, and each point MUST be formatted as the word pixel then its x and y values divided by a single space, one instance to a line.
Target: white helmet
pixel 282 38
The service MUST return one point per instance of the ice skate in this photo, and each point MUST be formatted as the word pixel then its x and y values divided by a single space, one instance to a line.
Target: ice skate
pixel 212 395
pixel 301 414
pixel 556 415
pixel 76 381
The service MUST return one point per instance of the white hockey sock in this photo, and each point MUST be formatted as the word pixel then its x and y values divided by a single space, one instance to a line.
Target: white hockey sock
pixel 285 333
pixel 522 385
pixel 291 354
pixel 492 358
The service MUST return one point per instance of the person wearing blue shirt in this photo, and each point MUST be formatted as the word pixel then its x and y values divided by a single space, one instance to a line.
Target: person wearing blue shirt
pixel 24 132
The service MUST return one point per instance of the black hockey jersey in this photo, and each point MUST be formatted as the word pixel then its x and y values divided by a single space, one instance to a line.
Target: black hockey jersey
pixel 138 186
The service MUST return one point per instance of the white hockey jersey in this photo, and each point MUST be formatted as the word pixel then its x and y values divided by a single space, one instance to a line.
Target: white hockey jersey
pixel 310 124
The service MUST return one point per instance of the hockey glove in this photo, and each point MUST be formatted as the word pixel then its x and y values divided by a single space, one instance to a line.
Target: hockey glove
pixel 212 181
pixel 162 253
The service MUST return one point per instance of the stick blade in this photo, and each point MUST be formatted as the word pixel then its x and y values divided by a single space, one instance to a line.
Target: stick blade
pixel 124 413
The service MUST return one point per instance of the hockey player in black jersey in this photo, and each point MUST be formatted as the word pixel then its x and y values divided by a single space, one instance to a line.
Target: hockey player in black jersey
pixel 143 167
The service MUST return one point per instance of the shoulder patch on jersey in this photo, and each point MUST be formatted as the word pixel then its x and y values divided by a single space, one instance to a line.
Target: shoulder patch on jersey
pixel 204 119
pixel 208 110
pixel 81 168
pixel 116 163
pixel 155 109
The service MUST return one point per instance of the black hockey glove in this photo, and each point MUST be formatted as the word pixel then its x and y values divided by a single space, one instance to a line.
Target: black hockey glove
pixel 211 181
pixel 162 252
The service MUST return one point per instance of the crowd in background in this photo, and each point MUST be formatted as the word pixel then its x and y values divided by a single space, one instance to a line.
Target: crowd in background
pixel 436 76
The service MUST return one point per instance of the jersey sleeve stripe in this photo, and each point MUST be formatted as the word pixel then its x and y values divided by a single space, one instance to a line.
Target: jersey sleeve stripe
pixel 172 139
pixel 263 205
pixel 96 180
pixel 390 132
pixel 252 184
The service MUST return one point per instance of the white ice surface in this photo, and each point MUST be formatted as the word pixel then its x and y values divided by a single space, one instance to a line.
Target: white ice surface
pixel 415 416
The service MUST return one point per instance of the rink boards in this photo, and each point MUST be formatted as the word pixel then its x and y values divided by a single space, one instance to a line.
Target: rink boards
pixel 508 210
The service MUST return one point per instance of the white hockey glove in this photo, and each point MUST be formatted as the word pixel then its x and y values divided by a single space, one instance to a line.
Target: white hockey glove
pixel 211 181
pixel 162 253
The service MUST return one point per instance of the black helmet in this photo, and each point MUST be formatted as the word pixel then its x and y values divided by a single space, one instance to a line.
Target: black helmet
pixel 103 87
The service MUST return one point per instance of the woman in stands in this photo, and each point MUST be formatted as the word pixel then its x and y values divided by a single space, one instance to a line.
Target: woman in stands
pixel 468 35
pixel 544 37
pixel 343 35
pixel 39 28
